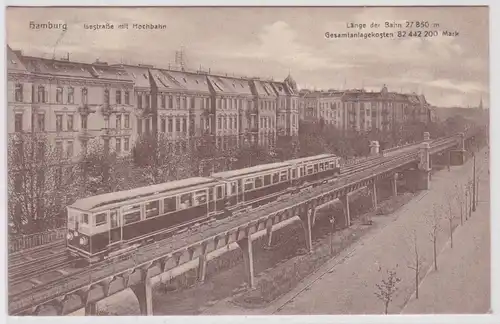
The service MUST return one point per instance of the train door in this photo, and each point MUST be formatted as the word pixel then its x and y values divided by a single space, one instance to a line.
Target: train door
pixel 211 200
pixel 115 227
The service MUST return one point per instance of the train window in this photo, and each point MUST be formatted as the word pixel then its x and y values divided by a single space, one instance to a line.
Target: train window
pixel 200 197
pixel 276 177
pixel 302 171
pixel 258 182
pixel 131 214
pixel 152 209
pixel 267 180
pixel 315 168
pixel 332 165
pixel 85 218
pixel 310 170
pixel 294 173
pixel 284 176
pixel 210 194
pixel 186 200
pixel 321 167
pixel 100 219
pixel 219 192
pixel 248 184
pixel 169 204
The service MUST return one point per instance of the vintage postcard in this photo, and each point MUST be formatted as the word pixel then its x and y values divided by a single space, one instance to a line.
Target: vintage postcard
pixel 248 160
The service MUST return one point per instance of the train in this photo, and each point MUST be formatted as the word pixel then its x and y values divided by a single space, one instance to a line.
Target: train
pixel 110 224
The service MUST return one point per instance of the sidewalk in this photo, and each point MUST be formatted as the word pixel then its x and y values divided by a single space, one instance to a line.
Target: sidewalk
pixel 462 283
pixel 346 285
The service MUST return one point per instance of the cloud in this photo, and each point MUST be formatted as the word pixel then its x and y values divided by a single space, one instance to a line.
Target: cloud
pixel 459 86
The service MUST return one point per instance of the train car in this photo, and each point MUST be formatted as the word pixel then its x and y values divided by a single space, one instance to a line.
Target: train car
pixel 100 224
pixel 315 169
pixel 254 186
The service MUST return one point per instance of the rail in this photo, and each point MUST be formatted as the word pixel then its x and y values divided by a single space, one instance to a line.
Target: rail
pixel 23 242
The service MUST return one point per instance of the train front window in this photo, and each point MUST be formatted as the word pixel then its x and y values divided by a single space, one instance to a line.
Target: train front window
pixel 152 209
pixel 284 176
pixel 100 219
pixel 85 218
pixel 210 194
pixel 131 214
pixel 169 204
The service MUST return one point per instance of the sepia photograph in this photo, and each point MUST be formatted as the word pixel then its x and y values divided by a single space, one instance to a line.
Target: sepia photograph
pixel 247 160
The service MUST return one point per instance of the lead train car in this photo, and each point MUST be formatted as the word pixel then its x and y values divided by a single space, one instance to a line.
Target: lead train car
pixel 100 224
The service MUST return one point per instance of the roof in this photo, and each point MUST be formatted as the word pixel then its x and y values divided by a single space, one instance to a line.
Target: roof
pixel 139 74
pixel 264 89
pixel 164 81
pixel 312 158
pixel 254 169
pixel 280 88
pixel 57 67
pixel 13 62
pixel 90 203
pixel 228 85
pixel 188 81
pixel 105 71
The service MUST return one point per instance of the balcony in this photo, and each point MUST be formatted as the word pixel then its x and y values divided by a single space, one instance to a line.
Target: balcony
pixel 86 109
pixel 84 134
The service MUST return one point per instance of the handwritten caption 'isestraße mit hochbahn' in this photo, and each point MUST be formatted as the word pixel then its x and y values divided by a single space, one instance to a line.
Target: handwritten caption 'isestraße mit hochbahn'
pixel 392 29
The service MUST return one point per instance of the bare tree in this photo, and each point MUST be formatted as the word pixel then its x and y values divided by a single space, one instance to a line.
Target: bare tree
pixel 39 181
pixel 416 261
pixel 387 288
pixel 433 220
pixel 450 215
pixel 460 196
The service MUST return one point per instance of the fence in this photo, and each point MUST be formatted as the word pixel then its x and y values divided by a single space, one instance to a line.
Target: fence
pixel 23 242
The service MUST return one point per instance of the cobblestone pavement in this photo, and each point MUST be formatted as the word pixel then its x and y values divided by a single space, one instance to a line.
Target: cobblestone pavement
pixel 348 287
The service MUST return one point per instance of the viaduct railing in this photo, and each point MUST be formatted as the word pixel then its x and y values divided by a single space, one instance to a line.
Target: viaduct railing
pixel 24 242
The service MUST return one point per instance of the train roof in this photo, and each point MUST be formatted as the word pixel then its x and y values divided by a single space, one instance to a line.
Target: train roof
pixel 250 170
pixel 90 203
pixel 312 158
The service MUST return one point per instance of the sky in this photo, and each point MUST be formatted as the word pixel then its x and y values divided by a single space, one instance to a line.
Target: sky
pixel 275 41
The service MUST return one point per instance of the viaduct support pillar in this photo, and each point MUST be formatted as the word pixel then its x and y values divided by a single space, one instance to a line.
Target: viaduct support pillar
pixel 202 268
pixel 306 217
pixel 269 231
pixel 246 246
pixel 144 294
pixel 394 184
pixel 345 205
pixel 374 195
pixel 91 309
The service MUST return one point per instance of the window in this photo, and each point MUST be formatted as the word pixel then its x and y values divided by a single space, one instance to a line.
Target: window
pixel 258 182
pixel 84 122
pixel 315 168
pixel 177 124
pixel 84 96
pixel 147 101
pixel 59 94
pixel 321 167
pixel 193 103
pixel 169 204
pixel 69 149
pixel 219 123
pixel 127 98
pixel 184 103
pixel 139 101
pixel 106 96
pixel 118 145
pixel 163 101
pixel 126 144
pixel 127 121
pixel 284 176
pixel 139 126
pixel 276 177
pixel 71 95
pixel 118 121
pixel 41 94
pixel 170 125
pixel 100 219
pixel 235 123
pixel 163 125
pixel 18 123
pixel 59 123
pixel 69 122
pixel 131 214
pixel 118 96
pixel 186 201
pixel 152 209
pixel 200 197
pixel 219 192
pixel 184 125
pixel 85 218
pixel 59 149
pixel 249 183
pixel 19 92
pixel 84 146
pixel 267 180
pixel 170 102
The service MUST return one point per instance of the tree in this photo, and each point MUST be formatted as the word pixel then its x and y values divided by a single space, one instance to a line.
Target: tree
pixel 416 262
pixel 450 215
pixel 96 169
pixel 40 180
pixel 387 288
pixel 433 220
